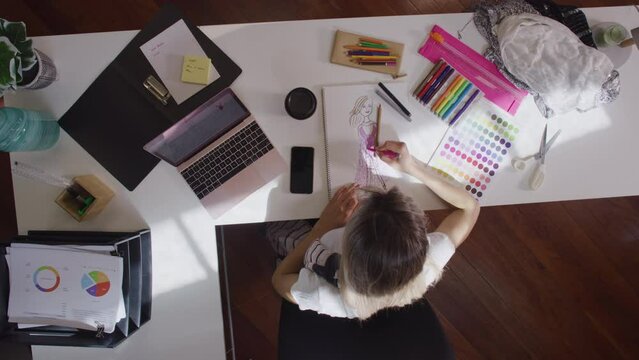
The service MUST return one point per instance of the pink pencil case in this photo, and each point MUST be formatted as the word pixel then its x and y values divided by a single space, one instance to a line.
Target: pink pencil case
pixel 474 67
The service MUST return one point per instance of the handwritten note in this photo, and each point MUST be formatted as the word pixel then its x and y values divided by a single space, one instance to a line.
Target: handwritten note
pixel 166 52
pixel 195 69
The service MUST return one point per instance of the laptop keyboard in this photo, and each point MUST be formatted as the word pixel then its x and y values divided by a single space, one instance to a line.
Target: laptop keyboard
pixel 227 160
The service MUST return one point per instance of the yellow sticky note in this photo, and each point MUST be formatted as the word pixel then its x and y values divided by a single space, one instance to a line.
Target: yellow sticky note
pixel 196 69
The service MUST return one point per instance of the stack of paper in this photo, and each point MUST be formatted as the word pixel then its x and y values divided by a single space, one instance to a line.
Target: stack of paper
pixel 78 287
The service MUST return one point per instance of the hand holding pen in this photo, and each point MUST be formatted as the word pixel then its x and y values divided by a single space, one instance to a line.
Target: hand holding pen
pixel 395 154
pixel 376 149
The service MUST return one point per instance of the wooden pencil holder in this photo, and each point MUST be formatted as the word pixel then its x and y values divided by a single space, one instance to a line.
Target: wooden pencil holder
pixel 83 187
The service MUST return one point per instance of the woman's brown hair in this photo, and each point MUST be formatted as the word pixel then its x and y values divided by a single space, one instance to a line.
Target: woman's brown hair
pixel 385 243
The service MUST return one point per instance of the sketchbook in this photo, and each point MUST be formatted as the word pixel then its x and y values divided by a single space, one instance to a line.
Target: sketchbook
pixel 350 127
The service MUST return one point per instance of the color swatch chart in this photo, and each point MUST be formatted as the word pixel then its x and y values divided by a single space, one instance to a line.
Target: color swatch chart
pixel 473 151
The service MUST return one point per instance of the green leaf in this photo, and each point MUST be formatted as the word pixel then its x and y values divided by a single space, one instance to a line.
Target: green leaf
pixel 8 75
pixel 8 46
pixel 15 31
pixel 17 69
pixel 27 54
pixel 3 89
pixel 24 46
pixel 8 71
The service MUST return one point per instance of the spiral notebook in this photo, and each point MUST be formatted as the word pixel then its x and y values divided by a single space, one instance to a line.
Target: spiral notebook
pixel 350 114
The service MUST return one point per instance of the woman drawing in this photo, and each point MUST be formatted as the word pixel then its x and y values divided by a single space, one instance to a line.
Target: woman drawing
pixel 367 170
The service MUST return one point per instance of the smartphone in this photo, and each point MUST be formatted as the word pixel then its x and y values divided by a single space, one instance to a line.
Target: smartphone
pixel 302 169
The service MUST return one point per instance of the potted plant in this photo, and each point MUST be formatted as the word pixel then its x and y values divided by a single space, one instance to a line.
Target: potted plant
pixel 22 66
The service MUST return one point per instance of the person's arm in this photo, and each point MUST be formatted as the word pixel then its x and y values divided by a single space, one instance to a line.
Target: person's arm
pixel 456 225
pixel 338 211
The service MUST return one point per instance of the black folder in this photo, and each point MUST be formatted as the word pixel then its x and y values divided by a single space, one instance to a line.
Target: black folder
pixel 116 116
pixel 135 250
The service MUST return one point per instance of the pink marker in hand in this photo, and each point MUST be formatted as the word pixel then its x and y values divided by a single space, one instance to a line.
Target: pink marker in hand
pixel 387 153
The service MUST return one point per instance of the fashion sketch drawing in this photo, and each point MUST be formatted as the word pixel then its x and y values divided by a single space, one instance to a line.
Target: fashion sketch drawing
pixel 367 173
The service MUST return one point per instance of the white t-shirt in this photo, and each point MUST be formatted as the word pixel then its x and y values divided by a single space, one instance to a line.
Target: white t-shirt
pixel 311 292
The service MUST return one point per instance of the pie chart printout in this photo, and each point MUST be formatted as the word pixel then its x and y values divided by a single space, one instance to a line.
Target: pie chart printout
pixel 46 278
pixel 96 283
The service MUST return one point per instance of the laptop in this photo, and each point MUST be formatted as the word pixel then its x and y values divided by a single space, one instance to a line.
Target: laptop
pixel 220 151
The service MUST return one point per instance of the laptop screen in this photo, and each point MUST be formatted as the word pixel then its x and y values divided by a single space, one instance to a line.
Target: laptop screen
pixel 199 129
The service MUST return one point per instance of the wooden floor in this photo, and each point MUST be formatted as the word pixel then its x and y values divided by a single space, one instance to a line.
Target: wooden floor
pixel 539 281
pixel 55 17
pixel 547 281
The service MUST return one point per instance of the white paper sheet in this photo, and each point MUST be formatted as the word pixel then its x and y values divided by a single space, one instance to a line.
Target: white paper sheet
pixel 57 287
pixel 166 53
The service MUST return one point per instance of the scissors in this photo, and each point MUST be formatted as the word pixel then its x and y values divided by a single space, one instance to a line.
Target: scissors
pixel 537 177
pixel 520 163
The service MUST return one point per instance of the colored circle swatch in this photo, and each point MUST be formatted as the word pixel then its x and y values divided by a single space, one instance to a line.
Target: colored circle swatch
pixel 475 151
pixel 96 283
pixel 46 278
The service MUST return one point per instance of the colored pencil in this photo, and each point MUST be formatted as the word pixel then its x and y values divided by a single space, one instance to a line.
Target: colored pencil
pixel 379 124
pixel 395 100
pixel 424 90
pixel 428 77
pixel 449 97
pixel 368 44
pixel 437 85
pixel 371 40
pixel 375 57
pixel 355 47
pixel 457 99
pixel 369 53
pixel 449 89
pixel 376 60
pixel 464 108
pixel 387 63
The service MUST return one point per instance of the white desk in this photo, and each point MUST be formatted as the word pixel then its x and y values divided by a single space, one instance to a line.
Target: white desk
pixel 594 157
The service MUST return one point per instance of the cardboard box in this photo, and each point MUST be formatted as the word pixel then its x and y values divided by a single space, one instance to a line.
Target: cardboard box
pixel 92 186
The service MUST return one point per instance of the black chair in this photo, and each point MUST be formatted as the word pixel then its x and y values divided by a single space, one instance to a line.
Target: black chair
pixel 410 332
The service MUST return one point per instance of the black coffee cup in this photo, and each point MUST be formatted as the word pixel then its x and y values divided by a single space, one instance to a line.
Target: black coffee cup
pixel 300 103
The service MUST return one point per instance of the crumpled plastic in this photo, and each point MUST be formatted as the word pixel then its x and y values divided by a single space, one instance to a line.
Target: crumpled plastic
pixel 564 73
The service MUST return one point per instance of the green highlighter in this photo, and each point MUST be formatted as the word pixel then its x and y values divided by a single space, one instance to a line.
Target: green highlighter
pixel 450 95
pixel 454 98
pixel 87 201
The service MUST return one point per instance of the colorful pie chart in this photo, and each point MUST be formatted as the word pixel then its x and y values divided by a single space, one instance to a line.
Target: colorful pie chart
pixel 46 278
pixel 96 283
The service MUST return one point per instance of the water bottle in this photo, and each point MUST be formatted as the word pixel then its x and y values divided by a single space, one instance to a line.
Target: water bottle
pixel 27 130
